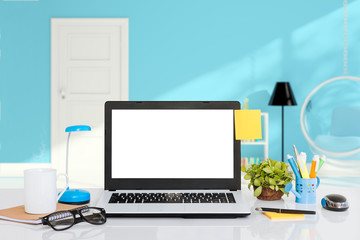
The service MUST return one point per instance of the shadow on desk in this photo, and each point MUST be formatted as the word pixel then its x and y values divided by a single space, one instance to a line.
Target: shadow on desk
pixel 150 232
pixel 164 229
pixel 94 233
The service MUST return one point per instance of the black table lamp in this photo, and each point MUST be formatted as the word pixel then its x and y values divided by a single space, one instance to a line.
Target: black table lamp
pixel 282 96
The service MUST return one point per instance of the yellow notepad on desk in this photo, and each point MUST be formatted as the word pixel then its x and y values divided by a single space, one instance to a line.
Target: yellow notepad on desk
pixel 284 216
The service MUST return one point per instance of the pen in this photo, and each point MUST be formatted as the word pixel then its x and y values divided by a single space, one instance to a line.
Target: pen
pixel 293 166
pixel 321 161
pixel 314 166
pixel 302 165
pixel 279 210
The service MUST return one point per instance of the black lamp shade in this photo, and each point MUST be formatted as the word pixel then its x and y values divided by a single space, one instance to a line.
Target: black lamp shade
pixel 282 95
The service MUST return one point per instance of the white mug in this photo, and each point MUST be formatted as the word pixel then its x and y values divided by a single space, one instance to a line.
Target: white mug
pixel 40 190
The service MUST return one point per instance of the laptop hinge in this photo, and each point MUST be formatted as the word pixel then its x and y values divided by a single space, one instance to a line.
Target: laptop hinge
pixel 111 190
pixel 233 190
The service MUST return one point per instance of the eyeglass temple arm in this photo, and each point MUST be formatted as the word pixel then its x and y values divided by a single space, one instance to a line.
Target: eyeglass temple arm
pixel 45 222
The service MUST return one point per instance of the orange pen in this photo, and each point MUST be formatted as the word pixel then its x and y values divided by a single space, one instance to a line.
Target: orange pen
pixel 314 165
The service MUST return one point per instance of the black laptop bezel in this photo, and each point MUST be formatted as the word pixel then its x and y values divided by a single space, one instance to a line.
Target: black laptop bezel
pixel 165 183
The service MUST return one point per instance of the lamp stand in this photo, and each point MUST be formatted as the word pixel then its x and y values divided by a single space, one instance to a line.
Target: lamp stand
pixel 67 159
pixel 73 196
pixel 282 133
pixel 282 96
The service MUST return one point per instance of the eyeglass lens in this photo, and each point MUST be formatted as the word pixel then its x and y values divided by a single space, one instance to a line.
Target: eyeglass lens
pixel 93 215
pixel 61 220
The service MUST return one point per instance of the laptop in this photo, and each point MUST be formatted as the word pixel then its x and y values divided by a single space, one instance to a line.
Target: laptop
pixel 172 159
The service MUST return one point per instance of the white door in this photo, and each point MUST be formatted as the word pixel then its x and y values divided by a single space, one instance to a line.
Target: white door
pixel 89 66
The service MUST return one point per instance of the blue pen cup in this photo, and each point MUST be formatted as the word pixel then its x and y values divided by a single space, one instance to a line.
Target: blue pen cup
pixel 306 189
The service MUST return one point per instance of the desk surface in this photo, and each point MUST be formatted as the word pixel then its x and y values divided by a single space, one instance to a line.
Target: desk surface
pixel 325 225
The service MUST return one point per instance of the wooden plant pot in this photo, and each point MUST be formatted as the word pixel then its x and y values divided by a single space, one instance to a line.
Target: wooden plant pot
pixel 269 194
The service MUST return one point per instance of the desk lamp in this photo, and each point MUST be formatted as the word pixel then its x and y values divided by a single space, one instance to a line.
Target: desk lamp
pixel 282 96
pixel 74 196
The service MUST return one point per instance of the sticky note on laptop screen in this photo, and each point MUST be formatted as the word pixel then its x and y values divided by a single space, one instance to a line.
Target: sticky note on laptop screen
pixel 247 124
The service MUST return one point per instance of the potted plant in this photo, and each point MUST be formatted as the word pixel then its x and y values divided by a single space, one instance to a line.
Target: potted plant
pixel 268 179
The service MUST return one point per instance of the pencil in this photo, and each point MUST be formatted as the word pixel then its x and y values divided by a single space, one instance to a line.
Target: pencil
pixel 296 156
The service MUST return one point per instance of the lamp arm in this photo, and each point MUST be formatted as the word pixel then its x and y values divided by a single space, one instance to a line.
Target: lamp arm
pixel 67 159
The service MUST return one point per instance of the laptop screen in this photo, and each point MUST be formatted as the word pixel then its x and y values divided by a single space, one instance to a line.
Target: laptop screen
pixel 172 143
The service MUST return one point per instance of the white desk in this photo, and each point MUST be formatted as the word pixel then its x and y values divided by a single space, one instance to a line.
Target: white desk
pixel 325 225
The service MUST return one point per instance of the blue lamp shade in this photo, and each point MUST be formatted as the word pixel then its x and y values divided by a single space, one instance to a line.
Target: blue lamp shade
pixel 78 128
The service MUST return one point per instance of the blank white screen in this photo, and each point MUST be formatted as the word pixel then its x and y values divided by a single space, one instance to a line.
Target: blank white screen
pixel 172 143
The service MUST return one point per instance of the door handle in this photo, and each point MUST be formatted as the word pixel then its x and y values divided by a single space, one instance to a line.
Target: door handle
pixel 62 94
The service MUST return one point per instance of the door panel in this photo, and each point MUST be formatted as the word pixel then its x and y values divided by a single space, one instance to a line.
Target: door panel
pixel 90 81
pixel 89 67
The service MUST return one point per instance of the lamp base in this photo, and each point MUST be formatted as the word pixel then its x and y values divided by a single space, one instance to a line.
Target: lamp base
pixel 75 197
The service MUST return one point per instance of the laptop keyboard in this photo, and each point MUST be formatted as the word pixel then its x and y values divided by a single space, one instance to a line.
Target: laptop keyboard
pixel 172 198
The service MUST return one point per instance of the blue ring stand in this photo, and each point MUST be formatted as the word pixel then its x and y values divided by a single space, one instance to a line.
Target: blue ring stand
pixel 75 197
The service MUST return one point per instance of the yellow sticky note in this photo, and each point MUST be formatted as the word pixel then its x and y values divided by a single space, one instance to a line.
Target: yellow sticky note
pixel 278 216
pixel 247 124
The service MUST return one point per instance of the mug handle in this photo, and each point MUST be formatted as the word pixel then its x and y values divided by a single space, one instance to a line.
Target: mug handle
pixel 318 181
pixel 66 186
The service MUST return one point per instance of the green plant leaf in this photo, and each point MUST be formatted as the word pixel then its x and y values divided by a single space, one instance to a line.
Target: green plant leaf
pixel 278 165
pixel 267 170
pixel 243 168
pixel 257 182
pixel 261 179
pixel 258 191
pixel 276 188
pixel 247 177
pixel 249 185
pixel 277 178
pixel 272 181
pixel 271 187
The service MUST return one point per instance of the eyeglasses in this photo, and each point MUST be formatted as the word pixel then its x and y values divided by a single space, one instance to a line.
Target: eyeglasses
pixel 66 219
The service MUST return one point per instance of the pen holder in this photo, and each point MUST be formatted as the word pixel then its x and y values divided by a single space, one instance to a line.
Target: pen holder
pixel 305 190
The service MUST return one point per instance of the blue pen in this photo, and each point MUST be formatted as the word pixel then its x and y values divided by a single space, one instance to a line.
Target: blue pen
pixel 293 166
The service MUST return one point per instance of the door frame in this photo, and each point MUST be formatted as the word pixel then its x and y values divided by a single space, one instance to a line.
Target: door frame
pixel 56 24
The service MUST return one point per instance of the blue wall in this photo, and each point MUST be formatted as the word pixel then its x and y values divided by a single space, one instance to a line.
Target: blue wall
pixel 179 50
